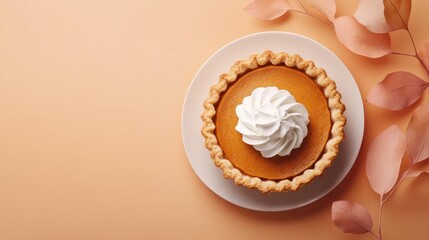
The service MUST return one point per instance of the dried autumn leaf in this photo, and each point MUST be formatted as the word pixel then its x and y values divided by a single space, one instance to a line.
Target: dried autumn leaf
pixel 360 40
pixel 370 13
pixel 384 159
pixel 267 9
pixel 397 91
pixel 324 9
pixel 417 135
pixel 423 53
pixel 397 13
pixel 351 217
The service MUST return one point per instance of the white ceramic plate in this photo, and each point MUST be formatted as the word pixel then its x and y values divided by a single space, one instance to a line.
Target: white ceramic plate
pixel 220 62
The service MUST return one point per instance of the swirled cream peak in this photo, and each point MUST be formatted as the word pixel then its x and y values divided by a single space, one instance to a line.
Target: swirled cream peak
pixel 272 121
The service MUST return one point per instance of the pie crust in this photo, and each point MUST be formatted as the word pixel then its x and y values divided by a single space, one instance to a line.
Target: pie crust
pixel 326 85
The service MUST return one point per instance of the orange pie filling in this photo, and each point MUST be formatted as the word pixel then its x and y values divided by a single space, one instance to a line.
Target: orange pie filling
pixel 245 157
pixel 226 139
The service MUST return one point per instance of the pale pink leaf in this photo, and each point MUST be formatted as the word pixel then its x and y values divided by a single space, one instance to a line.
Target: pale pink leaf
pixel 417 135
pixel 267 9
pixel 384 159
pixel 370 13
pixel 423 53
pixel 397 91
pixel 419 169
pixel 351 217
pixel 397 13
pixel 324 9
pixel 360 40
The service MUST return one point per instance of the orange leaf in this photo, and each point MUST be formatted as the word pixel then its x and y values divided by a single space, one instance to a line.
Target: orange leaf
pixel 423 53
pixel 324 9
pixel 397 13
pixel 267 9
pixel 397 91
pixel 384 159
pixel 370 13
pixel 417 135
pixel 351 217
pixel 359 39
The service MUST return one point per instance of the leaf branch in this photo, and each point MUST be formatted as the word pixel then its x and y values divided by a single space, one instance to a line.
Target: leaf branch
pixel 380 213
pixel 404 175
pixel 370 39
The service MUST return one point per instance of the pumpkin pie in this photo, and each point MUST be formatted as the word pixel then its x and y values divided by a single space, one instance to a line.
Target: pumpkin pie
pixel 274 122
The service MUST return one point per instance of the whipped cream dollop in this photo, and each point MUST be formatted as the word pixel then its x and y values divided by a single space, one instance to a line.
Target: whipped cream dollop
pixel 272 121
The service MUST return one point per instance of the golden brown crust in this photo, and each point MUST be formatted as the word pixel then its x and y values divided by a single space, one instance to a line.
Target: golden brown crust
pixel 334 103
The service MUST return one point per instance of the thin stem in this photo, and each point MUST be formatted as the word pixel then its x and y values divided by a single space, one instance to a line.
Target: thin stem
pixel 300 3
pixel 375 235
pixel 412 41
pixel 414 56
pixel 415 49
pixel 384 199
pixel 308 14
pixel 404 175
pixel 404 54
pixel 329 23
pixel 405 27
pixel 411 38
pixel 379 216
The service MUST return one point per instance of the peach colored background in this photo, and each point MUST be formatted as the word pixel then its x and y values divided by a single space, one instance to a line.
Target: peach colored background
pixel 91 95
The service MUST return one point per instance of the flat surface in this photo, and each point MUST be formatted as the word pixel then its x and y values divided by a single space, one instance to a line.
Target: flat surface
pixel 91 99
pixel 208 76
